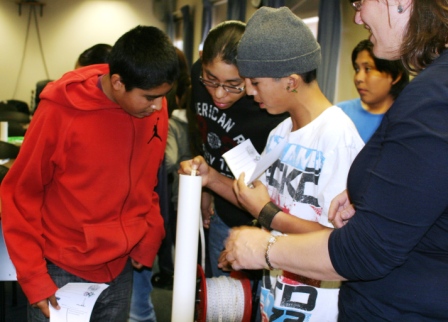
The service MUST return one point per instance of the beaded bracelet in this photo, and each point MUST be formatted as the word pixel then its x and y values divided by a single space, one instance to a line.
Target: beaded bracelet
pixel 271 242
pixel 267 214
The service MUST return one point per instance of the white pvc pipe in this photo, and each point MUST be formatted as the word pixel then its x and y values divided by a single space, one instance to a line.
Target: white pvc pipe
pixel 186 249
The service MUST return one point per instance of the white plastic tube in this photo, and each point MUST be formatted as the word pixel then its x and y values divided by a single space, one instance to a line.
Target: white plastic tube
pixel 186 249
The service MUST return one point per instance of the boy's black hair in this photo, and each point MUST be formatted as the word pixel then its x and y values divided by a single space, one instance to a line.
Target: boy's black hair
pixel 310 76
pixel 222 41
pixel 97 54
pixel 394 68
pixel 145 58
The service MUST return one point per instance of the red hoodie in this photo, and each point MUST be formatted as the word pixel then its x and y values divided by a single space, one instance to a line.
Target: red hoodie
pixel 81 192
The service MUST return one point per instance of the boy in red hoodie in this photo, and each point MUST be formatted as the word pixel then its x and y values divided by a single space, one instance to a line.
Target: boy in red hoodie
pixel 79 203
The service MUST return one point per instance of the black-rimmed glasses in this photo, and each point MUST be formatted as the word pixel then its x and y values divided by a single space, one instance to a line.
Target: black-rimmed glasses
pixel 227 88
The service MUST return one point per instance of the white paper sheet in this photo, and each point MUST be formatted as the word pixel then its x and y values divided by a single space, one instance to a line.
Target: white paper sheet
pixel 76 301
pixel 245 158
pixel 7 269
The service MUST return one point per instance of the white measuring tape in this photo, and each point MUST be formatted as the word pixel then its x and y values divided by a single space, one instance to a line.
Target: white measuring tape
pixel 225 299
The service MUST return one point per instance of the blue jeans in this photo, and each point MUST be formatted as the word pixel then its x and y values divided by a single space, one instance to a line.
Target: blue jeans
pixel 112 304
pixel 218 233
pixel 142 309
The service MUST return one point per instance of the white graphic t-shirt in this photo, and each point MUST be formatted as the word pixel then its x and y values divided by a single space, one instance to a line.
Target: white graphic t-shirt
pixel 310 172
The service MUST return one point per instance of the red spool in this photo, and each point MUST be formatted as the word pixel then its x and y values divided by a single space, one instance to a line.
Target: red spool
pixel 201 295
pixel 200 312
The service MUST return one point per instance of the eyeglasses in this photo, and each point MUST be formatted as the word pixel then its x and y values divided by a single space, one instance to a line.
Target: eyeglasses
pixel 227 88
pixel 357 5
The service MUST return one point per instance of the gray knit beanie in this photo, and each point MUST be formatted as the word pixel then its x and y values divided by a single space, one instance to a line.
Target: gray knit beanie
pixel 276 44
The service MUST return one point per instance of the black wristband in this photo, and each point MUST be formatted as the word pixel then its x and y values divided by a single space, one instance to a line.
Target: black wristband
pixel 267 214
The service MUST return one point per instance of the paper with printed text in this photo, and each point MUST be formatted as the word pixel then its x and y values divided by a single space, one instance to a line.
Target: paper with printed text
pixel 76 301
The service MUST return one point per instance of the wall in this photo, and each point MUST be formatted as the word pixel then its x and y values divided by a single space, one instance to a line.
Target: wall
pixel 351 35
pixel 67 28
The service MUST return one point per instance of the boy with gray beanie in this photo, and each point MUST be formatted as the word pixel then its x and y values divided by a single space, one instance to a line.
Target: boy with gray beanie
pixel 278 44
pixel 278 55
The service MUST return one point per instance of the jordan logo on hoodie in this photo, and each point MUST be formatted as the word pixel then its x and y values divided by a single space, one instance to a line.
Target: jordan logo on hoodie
pixel 155 134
